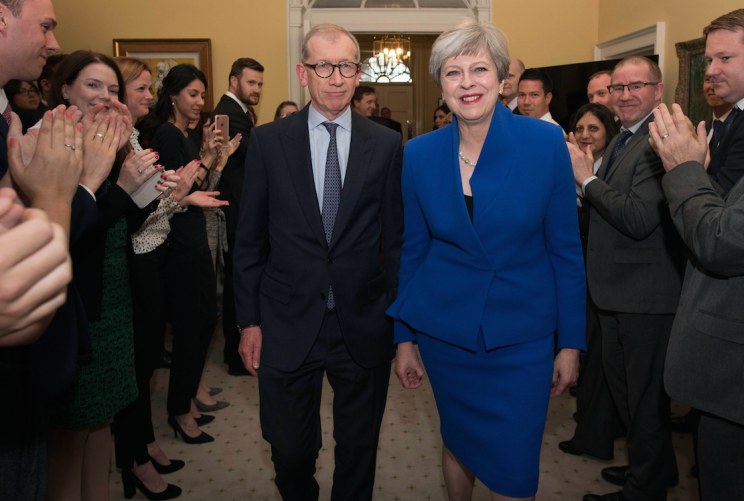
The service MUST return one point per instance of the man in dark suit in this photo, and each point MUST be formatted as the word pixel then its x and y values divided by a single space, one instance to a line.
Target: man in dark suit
pixel 322 188
pixel 634 271
pixel 44 82
pixel 246 84
pixel 727 144
pixel 396 126
pixel 706 348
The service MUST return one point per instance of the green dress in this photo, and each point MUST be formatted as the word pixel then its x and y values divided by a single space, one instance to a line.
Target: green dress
pixel 104 381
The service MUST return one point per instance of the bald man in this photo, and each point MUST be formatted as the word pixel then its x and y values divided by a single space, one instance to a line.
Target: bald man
pixel 511 85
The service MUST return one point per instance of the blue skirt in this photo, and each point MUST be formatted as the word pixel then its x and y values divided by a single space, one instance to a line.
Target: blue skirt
pixel 493 406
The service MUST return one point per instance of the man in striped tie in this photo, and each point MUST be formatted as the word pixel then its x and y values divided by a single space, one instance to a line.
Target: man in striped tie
pixel 311 288
pixel 634 269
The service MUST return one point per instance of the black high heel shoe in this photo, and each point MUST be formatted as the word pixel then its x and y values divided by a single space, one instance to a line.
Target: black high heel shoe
pixel 132 483
pixel 175 465
pixel 201 439
pixel 204 419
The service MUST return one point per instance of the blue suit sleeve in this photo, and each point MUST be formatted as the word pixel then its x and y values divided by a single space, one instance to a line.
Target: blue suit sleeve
pixel 564 248
pixel 416 243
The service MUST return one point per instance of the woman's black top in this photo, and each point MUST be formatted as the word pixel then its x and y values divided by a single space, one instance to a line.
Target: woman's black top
pixel 469 205
pixel 188 229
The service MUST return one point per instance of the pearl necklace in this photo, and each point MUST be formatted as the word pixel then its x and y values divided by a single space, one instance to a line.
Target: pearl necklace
pixel 472 164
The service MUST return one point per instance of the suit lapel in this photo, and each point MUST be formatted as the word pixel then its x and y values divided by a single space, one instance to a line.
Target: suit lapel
pixel 360 153
pixel 296 143
pixel 639 138
pixel 495 161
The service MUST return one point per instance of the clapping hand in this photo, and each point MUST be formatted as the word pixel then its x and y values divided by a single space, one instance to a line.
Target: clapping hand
pixel 674 139
pixel 204 199
pixel 119 112
pixel 582 162
pixel 187 177
pixel 136 169
pixel 52 173
pixel 99 145
pixel 35 269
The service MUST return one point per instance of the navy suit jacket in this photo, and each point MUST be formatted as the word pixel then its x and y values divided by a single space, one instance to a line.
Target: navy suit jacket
pixel 516 271
pixel 283 265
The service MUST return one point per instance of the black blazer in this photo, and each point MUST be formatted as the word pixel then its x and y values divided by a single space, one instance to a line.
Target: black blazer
pixel 283 265
pixel 231 183
pixel 727 163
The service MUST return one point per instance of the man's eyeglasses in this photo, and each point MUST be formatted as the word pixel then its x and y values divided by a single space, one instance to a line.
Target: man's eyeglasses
pixel 325 70
pixel 633 87
pixel 26 92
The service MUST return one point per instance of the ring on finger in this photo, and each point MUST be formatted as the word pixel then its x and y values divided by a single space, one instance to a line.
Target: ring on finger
pixel 139 171
pixel 665 136
pixel 71 146
pixel 99 135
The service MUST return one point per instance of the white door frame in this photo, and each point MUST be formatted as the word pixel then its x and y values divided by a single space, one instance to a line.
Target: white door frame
pixel 301 18
pixel 645 38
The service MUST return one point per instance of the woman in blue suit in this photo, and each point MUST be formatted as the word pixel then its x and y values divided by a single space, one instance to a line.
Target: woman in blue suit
pixel 491 270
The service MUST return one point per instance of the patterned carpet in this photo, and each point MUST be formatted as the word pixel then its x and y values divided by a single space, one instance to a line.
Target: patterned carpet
pixel 237 465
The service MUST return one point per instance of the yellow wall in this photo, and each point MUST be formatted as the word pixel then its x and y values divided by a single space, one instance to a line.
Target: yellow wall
pixel 685 20
pixel 238 28
pixel 549 32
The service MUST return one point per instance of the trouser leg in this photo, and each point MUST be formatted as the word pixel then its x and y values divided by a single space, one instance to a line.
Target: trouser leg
pixel 290 421
pixel 721 459
pixel 634 352
pixel 359 397
pixel 229 323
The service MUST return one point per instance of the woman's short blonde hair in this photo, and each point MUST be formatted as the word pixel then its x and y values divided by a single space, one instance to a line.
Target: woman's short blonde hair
pixel 468 37
pixel 131 68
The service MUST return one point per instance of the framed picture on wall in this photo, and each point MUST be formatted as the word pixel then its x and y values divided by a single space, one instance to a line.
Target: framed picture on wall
pixel 161 54
pixel 689 93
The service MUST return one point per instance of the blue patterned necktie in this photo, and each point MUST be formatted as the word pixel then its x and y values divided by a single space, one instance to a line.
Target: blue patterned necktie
pixel 621 142
pixel 331 193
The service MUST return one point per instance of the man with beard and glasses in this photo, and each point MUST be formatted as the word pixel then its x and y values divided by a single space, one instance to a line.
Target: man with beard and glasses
pixel 246 83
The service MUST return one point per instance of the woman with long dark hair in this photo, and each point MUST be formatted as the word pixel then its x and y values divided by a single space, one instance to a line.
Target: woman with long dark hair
pixel 104 382
pixel 191 287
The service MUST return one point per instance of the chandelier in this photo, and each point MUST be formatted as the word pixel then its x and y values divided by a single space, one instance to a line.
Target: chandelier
pixel 392 50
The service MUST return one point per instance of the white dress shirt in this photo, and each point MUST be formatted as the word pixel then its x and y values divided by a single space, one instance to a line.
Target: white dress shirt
pixel 3 100
pixel 235 98
pixel 320 138
pixel 549 118
pixel 512 104
pixel 633 129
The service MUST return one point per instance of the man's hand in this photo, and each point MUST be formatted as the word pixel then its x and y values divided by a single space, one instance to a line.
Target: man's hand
pixel 250 348
pixel 407 366
pixel 99 148
pixel 565 370
pixel 582 163
pixel 51 176
pixel 35 269
pixel 674 141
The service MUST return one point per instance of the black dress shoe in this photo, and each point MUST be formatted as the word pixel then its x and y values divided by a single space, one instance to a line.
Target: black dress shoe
pixel 618 475
pixel 573 391
pixel 613 496
pixel 570 449
pixel 238 371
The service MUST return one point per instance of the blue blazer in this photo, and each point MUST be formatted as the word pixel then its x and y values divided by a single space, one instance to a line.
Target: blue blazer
pixel 516 271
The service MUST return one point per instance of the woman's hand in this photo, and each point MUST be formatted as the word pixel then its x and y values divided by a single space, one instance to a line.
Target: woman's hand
pixel 565 370
pixel 224 155
pixel 204 199
pixel 188 176
pixel 583 163
pixel 123 121
pixel 169 183
pixel 407 366
pixel 99 152
pixel 52 173
pixel 137 169
pixel 211 143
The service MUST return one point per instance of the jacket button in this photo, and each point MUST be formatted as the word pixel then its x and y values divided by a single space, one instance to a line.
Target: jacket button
pixel 322 296
pixel 330 260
